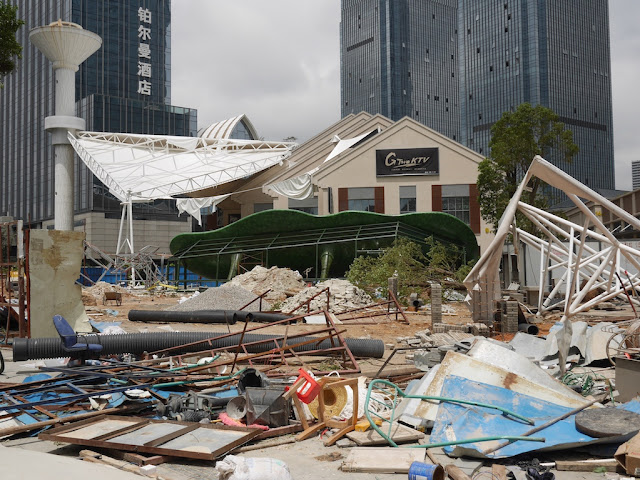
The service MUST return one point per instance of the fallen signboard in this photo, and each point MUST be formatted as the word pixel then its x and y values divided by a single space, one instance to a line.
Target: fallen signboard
pixel 158 437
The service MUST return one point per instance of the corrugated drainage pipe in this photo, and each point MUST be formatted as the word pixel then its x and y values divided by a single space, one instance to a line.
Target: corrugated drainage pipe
pixel 204 316
pixel 201 316
pixel 528 328
pixel 137 343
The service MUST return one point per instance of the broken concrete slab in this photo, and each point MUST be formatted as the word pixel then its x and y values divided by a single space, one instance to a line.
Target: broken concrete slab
pixel 55 258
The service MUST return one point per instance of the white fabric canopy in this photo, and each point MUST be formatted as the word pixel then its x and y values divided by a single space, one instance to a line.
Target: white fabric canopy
pixel 343 145
pixel 299 188
pixel 193 205
pixel 148 167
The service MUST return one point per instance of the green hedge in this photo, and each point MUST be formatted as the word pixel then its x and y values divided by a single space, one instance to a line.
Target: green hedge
pixel 267 224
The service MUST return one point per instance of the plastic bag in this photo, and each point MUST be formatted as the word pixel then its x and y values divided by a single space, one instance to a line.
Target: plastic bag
pixel 240 468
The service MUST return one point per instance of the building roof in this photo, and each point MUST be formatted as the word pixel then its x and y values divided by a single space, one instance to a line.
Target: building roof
pixel 224 129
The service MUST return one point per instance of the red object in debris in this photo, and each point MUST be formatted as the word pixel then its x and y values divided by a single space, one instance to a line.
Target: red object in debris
pixel 309 390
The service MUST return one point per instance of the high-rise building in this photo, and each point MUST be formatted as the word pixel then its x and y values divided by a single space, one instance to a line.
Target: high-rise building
pixel 399 58
pixel 491 57
pixel 635 174
pixel 124 87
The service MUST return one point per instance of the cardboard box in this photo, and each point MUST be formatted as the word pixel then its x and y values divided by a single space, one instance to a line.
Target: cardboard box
pixel 628 456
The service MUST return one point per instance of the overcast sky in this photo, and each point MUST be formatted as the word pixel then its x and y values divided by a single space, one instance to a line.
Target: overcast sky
pixel 278 62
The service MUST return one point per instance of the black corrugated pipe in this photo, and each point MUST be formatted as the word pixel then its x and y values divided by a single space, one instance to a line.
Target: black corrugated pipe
pixel 528 328
pixel 204 316
pixel 201 316
pixel 138 343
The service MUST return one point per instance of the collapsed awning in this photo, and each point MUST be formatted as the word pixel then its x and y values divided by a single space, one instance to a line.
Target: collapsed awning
pixel 149 167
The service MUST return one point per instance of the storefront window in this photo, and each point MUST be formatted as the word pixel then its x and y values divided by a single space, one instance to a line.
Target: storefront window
pixel 362 199
pixel 408 199
pixel 309 205
pixel 261 207
pixel 455 201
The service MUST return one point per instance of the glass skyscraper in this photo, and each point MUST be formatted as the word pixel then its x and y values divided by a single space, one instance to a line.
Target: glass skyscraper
pixel 124 87
pixel 399 58
pixel 491 57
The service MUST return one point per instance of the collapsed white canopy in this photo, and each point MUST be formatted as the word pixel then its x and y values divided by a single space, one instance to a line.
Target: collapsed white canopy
pixel 148 167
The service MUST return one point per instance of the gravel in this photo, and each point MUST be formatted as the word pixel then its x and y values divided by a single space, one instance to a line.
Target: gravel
pixel 226 297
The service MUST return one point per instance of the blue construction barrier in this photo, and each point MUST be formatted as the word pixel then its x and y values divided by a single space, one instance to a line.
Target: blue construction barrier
pixel 192 280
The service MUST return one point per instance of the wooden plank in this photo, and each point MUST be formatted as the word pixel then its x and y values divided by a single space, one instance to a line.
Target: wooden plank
pixel 586 465
pixel 279 431
pixel 141 460
pixel 382 459
pixel 498 471
pixel 399 434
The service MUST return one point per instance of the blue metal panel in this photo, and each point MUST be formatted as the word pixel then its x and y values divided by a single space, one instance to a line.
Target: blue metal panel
pixel 460 421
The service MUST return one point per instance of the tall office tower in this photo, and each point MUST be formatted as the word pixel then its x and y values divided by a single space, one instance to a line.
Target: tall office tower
pixel 124 87
pixel 482 58
pixel 399 58
pixel 549 52
pixel 635 174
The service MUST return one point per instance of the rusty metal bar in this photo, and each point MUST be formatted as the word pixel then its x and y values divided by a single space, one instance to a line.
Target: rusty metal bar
pixel 259 297
pixel 308 301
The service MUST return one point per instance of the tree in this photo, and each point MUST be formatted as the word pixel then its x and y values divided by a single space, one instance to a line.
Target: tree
pixel 9 46
pixel 516 138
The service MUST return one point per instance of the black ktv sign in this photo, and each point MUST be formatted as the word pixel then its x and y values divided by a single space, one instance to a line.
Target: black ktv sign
pixel 407 161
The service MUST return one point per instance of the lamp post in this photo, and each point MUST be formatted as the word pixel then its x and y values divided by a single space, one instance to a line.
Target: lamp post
pixel 67 45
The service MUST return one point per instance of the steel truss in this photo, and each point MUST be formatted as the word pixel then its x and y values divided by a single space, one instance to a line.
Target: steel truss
pixel 583 269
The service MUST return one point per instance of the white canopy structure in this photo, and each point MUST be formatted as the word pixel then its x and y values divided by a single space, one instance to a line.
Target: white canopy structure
pixel 143 168
pixel 148 167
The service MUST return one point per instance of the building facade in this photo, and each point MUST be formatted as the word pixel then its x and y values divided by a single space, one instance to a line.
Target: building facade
pixel 124 87
pixel 635 174
pixel 358 176
pixel 497 55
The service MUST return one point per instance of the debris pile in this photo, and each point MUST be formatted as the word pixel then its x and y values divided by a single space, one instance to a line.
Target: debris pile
pixel 282 282
pixel 226 297
pixel 343 296
pixel 98 290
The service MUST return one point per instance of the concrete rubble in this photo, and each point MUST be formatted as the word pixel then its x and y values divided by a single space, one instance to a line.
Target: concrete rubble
pixel 344 296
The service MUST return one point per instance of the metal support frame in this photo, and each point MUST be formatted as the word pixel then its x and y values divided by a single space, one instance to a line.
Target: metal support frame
pixel 14 271
pixel 582 268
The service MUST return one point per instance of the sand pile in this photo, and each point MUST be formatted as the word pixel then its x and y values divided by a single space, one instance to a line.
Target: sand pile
pixel 226 297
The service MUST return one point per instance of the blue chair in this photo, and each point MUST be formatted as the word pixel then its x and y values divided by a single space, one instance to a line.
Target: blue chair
pixel 74 343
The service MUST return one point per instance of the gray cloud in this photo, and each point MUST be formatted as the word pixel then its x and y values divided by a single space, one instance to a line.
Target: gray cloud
pixel 625 75
pixel 278 61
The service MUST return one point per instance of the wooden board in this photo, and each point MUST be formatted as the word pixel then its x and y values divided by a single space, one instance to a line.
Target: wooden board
pixel 399 434
pixel 610 464
pixel 381 459
pixel 158 437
